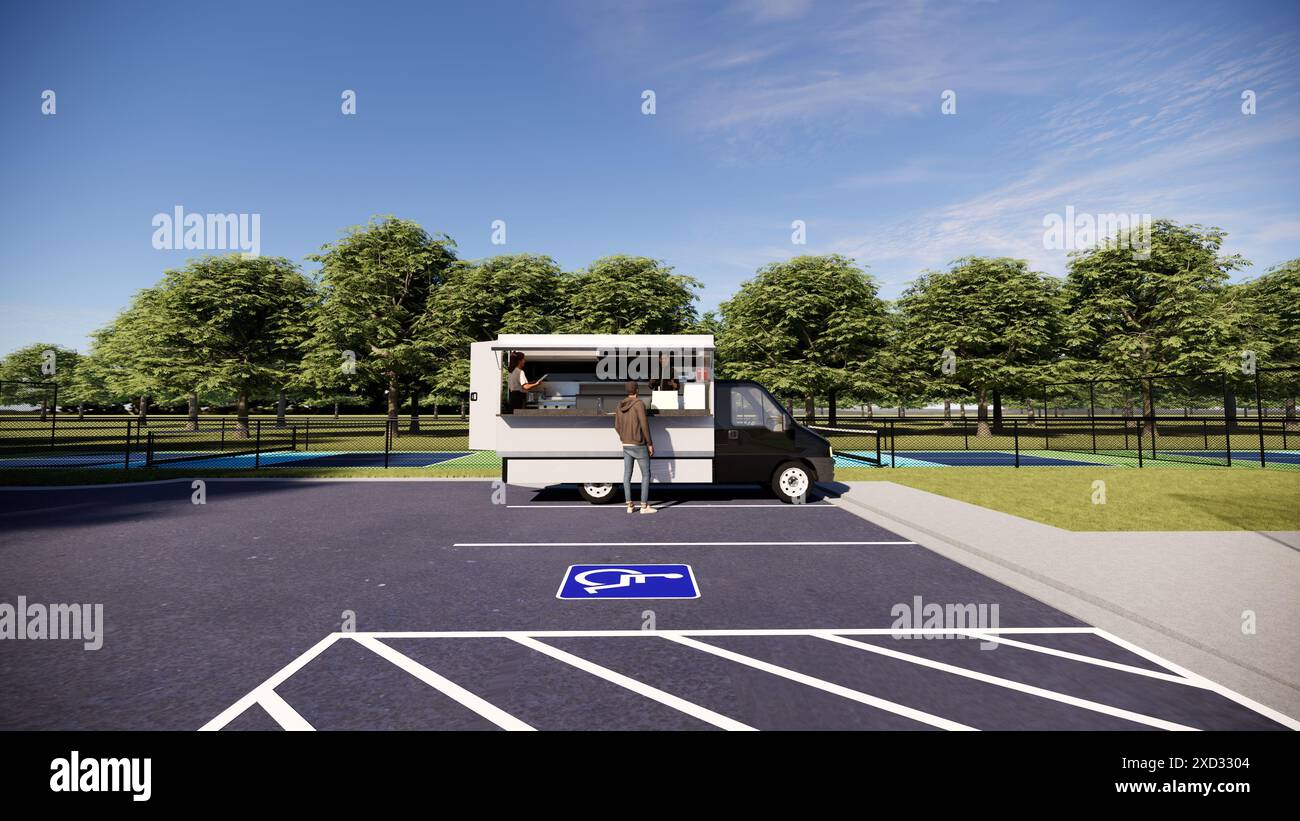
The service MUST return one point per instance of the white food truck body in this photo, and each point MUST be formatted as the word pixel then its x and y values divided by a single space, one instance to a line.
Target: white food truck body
pixel 565 433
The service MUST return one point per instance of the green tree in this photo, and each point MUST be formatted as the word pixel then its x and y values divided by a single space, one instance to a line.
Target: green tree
pixel 1271 314
pixel 376 283
pixel 1271 326
pixel 809 326
pixel 628 295
pixel 128 359
pixel 480 300
pixel 30 373
pixel 1134 314
pixel 984 325
pixel 230 324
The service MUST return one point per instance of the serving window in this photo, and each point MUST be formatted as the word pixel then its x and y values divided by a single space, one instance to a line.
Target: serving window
pixel 668 379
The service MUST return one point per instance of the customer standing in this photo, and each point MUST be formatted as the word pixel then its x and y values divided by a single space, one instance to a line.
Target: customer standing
pixel 634 433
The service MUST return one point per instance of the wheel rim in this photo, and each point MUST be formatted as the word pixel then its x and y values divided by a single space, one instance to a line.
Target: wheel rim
pixel 793 482
pixel 598 491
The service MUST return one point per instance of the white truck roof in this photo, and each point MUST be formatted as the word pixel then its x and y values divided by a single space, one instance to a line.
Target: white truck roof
pixel 538 343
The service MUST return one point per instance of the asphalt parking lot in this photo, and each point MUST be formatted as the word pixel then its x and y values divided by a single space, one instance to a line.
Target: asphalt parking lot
pixel 231 615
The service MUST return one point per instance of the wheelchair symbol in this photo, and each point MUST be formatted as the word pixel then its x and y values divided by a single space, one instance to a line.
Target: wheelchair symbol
pixel 626 578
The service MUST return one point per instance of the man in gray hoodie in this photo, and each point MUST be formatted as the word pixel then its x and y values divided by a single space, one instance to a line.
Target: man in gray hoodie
pixel 634 432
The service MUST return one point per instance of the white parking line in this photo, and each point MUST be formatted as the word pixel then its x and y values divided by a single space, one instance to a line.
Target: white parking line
pixel 288 718
pixel 667 544
pixel 683 505
pixel 279 709
pixel 1051 695
pixel 829 687
pixel 1231 695
pixel 444 685
pixel 1114 665
pixel 864 631
pixel 653 693
pixel 235 710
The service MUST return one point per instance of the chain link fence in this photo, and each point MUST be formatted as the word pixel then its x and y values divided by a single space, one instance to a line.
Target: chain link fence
pixel 227 444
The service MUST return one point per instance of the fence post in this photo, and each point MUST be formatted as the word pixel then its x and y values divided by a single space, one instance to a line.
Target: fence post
pixel 126 456
pixel 257 447
pixel 1259 413
pixel 388 432
pixel 148 450
pixel 223 433
pixel 1092 413
pixel 893 463
pixel 293 437
pixel 877 448
pixel 306 436
pixel 1205 431
pixel 54 418
pixel 1015 434
pixel 1227 438
pixel 1139 438
pixel 965 431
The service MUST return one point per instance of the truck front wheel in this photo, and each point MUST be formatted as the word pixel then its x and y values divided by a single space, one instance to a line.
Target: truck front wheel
pixel 597 494
pixel 791 482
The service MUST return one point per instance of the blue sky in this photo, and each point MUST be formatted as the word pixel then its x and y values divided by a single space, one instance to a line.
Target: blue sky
pixel 530 112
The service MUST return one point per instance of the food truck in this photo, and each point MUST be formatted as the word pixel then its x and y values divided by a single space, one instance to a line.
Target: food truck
pixel 704 430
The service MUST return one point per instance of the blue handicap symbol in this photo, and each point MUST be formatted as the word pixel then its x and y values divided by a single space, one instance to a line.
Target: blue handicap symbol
pixel 629 581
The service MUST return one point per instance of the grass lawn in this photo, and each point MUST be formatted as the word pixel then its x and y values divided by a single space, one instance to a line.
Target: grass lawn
pixel 1193 499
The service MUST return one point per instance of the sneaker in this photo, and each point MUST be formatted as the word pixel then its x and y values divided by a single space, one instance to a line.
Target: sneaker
pixel 647 509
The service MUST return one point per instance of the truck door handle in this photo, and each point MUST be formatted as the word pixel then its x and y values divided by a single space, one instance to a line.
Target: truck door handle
pixel 733 434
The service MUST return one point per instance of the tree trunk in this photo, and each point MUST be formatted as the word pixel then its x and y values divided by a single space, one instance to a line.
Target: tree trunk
pixel 192 422
pixel 1029 413
pixel 1149 414
pixel 435 408
pixel 1289 414
pixel 809 410
pixel 241 416
pixel 415 413
pixel 982 413
pixel 997 411
pixel 81 412
pixel 462 410
pixel 279 410
pixel 947 413
pixel 142 419
pixel 44 408
pixel 336 410
pixel 830 410
pixel 394 404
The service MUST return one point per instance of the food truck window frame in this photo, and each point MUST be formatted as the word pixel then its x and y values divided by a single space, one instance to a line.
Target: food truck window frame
pixel 701 361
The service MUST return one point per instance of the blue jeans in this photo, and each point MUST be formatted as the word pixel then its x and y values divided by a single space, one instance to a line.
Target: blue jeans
pixel 642 456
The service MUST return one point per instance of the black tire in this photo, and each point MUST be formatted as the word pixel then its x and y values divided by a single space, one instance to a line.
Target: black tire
pixel 793 480
pixel 599 493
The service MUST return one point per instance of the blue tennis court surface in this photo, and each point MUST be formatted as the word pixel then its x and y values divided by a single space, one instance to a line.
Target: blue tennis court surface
pixel 963 458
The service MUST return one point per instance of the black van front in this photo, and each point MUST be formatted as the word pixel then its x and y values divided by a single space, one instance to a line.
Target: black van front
pixel 756 440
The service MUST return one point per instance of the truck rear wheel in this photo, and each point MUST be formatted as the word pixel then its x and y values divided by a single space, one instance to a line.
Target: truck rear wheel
pixel 792 482
pixel 597 494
